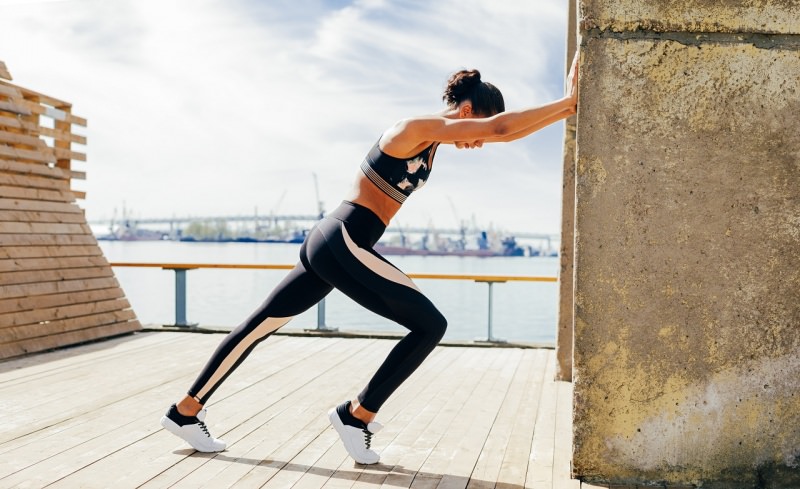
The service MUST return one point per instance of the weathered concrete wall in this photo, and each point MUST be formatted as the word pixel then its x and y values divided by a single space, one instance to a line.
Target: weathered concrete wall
pixel 733 16
pixel 566 282
pixel 687 344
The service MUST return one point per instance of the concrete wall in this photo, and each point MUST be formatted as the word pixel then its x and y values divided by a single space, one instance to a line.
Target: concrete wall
pixel 687 285
pixel 566 282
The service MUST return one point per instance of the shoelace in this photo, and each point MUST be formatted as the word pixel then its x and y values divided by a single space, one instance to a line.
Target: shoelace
pixel 204 428
pixel 367 437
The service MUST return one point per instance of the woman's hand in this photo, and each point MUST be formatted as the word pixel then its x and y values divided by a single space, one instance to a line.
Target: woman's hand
pixel 572 83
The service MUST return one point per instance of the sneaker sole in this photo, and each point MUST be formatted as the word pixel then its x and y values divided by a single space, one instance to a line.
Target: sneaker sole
pixel 173 428
pixel 339 427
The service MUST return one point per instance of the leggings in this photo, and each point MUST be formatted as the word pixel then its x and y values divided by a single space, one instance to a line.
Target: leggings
pixel 338 253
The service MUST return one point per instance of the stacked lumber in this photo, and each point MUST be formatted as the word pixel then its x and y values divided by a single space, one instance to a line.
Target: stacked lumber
pixel 56 288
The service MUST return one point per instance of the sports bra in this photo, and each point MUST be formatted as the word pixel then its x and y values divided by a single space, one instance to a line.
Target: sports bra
pixel 398 177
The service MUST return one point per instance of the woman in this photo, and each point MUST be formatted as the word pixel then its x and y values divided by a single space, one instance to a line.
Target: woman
pixel 338 253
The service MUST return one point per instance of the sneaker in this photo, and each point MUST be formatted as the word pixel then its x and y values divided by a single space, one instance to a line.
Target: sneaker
pixel 192 429
pixel 355 434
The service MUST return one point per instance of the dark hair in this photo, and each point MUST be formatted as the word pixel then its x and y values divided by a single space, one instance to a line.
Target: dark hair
pixel 467 85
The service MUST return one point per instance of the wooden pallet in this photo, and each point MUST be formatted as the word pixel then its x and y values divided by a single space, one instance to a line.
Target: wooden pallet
pixel 56 288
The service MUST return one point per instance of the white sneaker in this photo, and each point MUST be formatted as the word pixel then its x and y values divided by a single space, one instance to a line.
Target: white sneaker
pixel 195 434
pixel 356 440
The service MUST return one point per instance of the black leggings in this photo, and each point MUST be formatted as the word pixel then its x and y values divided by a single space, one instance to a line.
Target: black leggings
pixel 338 253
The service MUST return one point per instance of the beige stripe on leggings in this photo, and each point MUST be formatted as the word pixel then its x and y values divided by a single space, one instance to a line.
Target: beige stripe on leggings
pixel 268 326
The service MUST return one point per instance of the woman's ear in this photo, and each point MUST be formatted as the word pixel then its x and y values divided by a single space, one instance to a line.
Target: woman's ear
pixel 465 110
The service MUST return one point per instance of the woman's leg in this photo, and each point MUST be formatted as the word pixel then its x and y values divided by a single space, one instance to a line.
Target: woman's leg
pixel 373 282
pixel 298 291
pixel 369 279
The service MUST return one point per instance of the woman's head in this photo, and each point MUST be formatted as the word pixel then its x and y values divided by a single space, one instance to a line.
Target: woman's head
pixel 466 86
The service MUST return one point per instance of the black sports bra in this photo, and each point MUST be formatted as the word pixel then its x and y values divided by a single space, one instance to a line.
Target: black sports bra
pixel 398 177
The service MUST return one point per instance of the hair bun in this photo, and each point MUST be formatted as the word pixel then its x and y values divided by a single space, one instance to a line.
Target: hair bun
pixel 461 83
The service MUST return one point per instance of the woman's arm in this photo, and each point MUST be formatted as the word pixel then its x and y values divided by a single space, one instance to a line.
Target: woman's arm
pixel 533 128
pixel 507 126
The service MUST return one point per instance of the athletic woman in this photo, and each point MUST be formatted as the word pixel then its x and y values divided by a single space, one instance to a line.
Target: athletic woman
pixel 338 253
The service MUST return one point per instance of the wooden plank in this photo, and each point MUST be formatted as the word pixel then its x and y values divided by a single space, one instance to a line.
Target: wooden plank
pixel 44 302
pixel 409 410
pixel 109 412
pixel 77 175
pixel 291 443
pixel 43 228
pixel 119 427
pixel 540 467
pixel 407 415
pixel 69 155
pixel 10 350
pixel 26 417
pixel 562 450
pixel 15 334
pixel 41 217
pixel 55 228
pixel 416 409
pixel 414 453
pixel 15 107
pixel 52 112
pixel 40 97
pixel 4 71
pixel 16 122
pixel 35 194
pixel 107 435
pixel 18 138
pixel 514 467
pixel 46 239
pixel 37 205
pixel 47 251
pixel 458 449
pixel 487 469
pixel 19 229
pixel 275 444
pixel 44 155
pixel 42 314
pixel 79 194
pixel 45 368
pixel 34 181
pixel 32 169
pixel 27 277
pixel 56 287
pixel 10 92
pixel 297 395
pixel 60 135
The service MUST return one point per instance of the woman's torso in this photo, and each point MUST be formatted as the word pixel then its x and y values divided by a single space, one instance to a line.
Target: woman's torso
pixel 384 181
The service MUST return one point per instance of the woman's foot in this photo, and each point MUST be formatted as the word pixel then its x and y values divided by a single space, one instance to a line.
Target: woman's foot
pixel 191 429
pixel 355 434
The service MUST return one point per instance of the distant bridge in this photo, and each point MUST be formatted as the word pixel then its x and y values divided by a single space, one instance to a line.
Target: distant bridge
pixel 178 222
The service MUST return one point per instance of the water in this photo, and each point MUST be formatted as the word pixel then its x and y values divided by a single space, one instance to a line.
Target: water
pixel 523 311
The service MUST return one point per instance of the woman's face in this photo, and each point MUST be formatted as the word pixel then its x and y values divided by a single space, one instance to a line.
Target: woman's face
pixel 466 112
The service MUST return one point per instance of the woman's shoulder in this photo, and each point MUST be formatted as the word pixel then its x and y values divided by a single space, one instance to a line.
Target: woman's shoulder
pixel 408 134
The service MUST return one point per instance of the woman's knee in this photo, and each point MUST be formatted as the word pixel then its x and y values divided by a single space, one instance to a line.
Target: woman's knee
pixel 437 325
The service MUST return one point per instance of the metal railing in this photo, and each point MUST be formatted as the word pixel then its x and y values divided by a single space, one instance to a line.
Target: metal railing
pixel 180 270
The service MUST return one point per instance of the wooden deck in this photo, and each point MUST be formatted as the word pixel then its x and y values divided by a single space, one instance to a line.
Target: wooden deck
pixel 469 417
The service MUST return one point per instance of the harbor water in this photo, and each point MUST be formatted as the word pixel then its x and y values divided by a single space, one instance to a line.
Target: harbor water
pixel 522 311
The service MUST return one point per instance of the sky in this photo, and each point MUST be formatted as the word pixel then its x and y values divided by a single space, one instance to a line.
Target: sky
pixel 228 107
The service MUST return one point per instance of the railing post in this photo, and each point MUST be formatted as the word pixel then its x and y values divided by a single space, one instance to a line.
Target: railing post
pixel 489 335
pixel 180 298
pixel 321 326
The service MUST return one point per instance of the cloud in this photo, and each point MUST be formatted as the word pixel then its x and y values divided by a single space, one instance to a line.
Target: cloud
pixel 209 107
